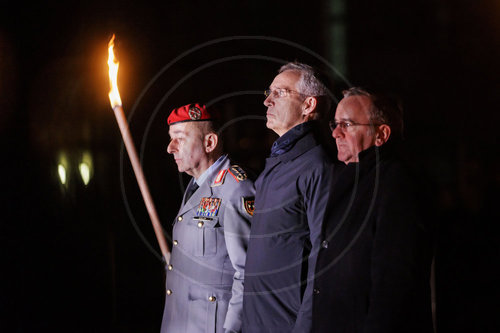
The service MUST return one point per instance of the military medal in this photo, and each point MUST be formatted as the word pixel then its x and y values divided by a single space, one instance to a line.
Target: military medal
pixel 208 207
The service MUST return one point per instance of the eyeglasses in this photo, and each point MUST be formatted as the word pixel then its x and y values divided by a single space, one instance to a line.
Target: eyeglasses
pixel 345 125
pixel 280 92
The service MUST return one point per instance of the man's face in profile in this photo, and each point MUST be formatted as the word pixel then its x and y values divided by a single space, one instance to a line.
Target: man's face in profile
pixel 284 104
pixel 186 144
pixel 354 131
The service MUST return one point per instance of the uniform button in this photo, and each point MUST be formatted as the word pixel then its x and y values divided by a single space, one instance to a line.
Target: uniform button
pixel 324 244
pixel 176 242
pixel 200 224
pixel 316 291
pixel 169 292
pixel 212 298
pixel 179 218
pixel 170 267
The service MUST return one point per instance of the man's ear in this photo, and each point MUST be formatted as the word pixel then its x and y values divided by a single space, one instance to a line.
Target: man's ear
pixel 382 134
pixel 309 106
pixel 211 140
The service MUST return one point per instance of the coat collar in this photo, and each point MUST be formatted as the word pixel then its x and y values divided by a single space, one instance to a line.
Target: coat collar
pixel 374 155
pixel 305 143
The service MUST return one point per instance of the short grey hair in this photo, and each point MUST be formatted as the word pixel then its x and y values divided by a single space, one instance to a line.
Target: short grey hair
pixel 386 109
pixel 310 84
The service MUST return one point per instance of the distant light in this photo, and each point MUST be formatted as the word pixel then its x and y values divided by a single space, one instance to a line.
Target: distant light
pixel 61 170
pixel 86 167
pixel 85 172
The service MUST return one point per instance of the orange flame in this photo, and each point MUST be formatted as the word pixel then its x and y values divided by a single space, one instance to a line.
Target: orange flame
pixel 114 94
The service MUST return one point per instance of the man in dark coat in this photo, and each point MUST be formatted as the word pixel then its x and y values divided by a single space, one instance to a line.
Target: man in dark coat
pixel 373 268
pixel 291 196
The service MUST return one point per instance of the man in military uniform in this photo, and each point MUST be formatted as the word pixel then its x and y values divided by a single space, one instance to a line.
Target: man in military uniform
pixel 204 284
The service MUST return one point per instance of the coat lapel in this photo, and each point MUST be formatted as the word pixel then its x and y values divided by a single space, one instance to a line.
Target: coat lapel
pixel 205 190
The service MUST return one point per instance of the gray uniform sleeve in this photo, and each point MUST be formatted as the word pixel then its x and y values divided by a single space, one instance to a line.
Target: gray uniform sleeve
pixel 236 234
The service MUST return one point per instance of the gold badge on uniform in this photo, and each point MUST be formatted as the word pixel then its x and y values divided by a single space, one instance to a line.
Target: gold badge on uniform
pixel 208 207
pixel 249 205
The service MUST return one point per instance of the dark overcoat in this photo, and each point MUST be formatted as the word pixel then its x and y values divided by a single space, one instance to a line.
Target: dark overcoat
pixel 373 268
pixel 291 196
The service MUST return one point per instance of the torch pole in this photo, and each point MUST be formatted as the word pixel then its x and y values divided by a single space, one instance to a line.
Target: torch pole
pixel 141 180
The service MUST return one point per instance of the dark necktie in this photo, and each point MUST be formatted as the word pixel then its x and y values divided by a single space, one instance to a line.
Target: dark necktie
pixel 192 187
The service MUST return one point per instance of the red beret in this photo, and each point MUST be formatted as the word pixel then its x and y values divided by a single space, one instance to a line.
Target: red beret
pixel 190 112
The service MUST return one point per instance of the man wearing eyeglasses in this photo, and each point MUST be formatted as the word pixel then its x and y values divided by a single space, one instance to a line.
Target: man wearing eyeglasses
pixel 373 268
pixel 291 196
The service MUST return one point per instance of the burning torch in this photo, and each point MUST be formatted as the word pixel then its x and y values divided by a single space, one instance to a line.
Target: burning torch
pixel 116 104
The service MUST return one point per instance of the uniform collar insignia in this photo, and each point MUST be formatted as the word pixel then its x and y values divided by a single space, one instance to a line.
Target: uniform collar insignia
pixel 219 180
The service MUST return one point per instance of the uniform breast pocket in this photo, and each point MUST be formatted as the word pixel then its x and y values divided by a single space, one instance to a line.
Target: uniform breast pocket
pixel 207 234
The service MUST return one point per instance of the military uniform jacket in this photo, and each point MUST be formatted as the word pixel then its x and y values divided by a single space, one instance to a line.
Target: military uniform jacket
pixel 204 280
pixel 292 193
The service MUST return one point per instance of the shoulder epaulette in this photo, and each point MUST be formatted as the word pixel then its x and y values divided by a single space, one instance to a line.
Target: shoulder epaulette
pixel 238 173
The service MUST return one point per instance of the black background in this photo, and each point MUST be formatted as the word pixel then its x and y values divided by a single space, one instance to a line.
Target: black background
pixel 84 258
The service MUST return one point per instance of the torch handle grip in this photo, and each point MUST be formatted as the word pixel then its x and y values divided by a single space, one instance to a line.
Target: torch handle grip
pixel 141 180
